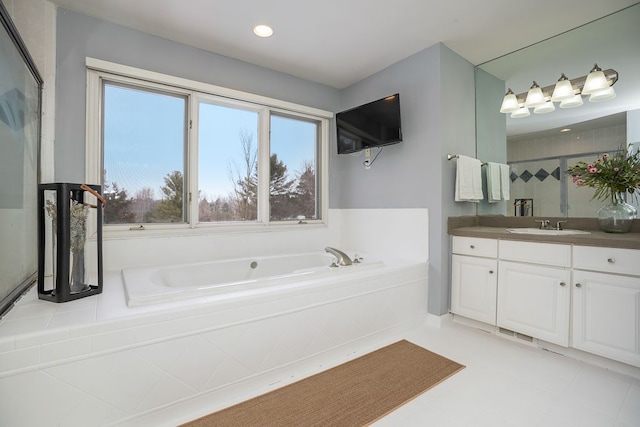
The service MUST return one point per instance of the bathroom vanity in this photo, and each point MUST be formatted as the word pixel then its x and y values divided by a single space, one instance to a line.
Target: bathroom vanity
pixel 576 291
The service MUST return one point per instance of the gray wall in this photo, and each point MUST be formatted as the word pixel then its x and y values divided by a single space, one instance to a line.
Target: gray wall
pixel 491 131
pixel 436 89
pixel 79 36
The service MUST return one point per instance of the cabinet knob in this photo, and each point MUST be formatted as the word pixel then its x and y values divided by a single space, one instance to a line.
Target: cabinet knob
pixel 472 247
pixel 578 285
pixel 611 260
pixel 490 271
pixel 562 284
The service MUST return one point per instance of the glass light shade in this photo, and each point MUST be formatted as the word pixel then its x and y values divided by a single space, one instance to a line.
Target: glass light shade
pixel 520 113
pixel 547 107
pixel 563 90
pixel 535 97
pixel 509 103
pixel 576 101
pixel 603 95
pixel 596 81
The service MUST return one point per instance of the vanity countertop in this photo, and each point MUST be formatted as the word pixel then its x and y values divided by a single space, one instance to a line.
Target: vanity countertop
pixel 495 227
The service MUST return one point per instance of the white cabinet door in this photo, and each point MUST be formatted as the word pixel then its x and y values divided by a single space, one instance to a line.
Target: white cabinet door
pixel 606 315
pixel 534 300
pixel 473 291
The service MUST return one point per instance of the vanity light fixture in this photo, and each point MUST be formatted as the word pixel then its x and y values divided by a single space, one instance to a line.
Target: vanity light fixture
pixel 576 101
pixel 509 103
pixel 597 84
pixel 535 98
pixel 547 107
pixel 562 90
pixel 263 30
pixel 596 81
pixel 520 113
pixel 602 95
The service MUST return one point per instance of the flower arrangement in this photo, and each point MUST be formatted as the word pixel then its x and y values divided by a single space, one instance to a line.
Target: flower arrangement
pixel 77 228
pixel 78 218
pixel 609 174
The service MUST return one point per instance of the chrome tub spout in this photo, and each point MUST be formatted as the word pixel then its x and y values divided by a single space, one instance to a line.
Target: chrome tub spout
pixel 342 258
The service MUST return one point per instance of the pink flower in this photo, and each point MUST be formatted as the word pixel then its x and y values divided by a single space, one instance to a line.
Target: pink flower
pixel 593 170
pixel 579 182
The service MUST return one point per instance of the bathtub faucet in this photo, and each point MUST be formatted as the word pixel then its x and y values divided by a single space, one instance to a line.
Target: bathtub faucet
pixel 343 259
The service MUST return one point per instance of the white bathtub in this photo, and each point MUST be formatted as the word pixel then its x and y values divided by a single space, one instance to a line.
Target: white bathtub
pixel 236 277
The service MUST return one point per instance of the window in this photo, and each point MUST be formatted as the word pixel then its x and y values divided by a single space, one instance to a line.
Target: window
pixel 292 162
pixel 173 153
pixel 227 163
pixel 144 139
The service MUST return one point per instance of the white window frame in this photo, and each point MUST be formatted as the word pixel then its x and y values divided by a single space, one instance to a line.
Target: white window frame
pixel 99 70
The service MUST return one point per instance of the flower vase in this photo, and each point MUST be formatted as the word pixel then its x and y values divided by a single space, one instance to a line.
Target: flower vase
pixel 617 216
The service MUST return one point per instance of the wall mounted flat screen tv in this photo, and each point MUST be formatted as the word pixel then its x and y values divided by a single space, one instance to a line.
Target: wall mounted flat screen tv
pixel 370 125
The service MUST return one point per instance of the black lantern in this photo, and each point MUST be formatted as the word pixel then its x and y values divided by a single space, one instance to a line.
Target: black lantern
pixel 69 261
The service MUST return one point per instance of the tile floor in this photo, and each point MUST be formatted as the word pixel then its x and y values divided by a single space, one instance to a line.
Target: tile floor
pixel 505 383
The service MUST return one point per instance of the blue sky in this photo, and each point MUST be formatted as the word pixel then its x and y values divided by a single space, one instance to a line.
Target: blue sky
pixel 144 136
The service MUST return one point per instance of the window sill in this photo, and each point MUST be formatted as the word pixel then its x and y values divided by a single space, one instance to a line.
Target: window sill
pixel 207 229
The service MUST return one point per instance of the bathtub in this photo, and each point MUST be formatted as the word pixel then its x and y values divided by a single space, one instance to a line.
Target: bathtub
pixel 225 279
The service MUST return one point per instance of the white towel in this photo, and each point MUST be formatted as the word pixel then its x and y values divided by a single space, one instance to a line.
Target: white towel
pixel 505 182
pixel 468 180
pixel 494 182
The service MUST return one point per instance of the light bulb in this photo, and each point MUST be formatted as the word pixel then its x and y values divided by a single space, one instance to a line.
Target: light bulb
pixel 563 89
pixel 596 81
pixel 547 107
pixel 263 31
pixel 509 103
pixel 576 101
pixel 520 113
pixel 535 97
pixel 602 95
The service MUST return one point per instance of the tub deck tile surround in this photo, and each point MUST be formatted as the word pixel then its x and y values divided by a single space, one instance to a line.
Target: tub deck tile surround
pixel 495 227
pixel 78 358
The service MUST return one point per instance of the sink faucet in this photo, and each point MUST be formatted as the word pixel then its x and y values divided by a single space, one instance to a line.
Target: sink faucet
pixel 544 223
pixel 342 258
pixel 559 225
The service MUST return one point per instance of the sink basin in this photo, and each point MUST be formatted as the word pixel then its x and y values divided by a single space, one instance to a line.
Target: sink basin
pixel 547 232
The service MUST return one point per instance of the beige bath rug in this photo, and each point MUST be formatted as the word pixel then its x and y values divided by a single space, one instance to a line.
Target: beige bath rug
pixel 356 393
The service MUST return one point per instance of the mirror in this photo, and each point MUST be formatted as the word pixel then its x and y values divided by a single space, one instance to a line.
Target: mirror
pixel 535 146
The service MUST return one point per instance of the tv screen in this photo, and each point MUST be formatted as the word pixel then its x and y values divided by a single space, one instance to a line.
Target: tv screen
pixel 370 125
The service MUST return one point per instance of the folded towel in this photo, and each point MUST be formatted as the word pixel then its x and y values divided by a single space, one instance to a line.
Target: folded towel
pixel 468 180
pixel 505 182
pixel 494 182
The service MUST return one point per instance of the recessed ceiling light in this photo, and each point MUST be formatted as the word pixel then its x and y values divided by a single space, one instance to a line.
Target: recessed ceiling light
pixel 565 130
pixel 263 31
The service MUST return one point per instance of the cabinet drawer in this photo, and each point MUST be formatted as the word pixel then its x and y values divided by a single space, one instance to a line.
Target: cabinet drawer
pixel 475 246
pixel 536 253
pixel 610 260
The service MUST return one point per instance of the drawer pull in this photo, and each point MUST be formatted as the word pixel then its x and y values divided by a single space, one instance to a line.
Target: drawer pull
pixel 578 285
pixel 562 284
pixel 611 260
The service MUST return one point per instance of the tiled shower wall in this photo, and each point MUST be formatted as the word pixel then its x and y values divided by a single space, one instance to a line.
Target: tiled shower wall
pixel 538 172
